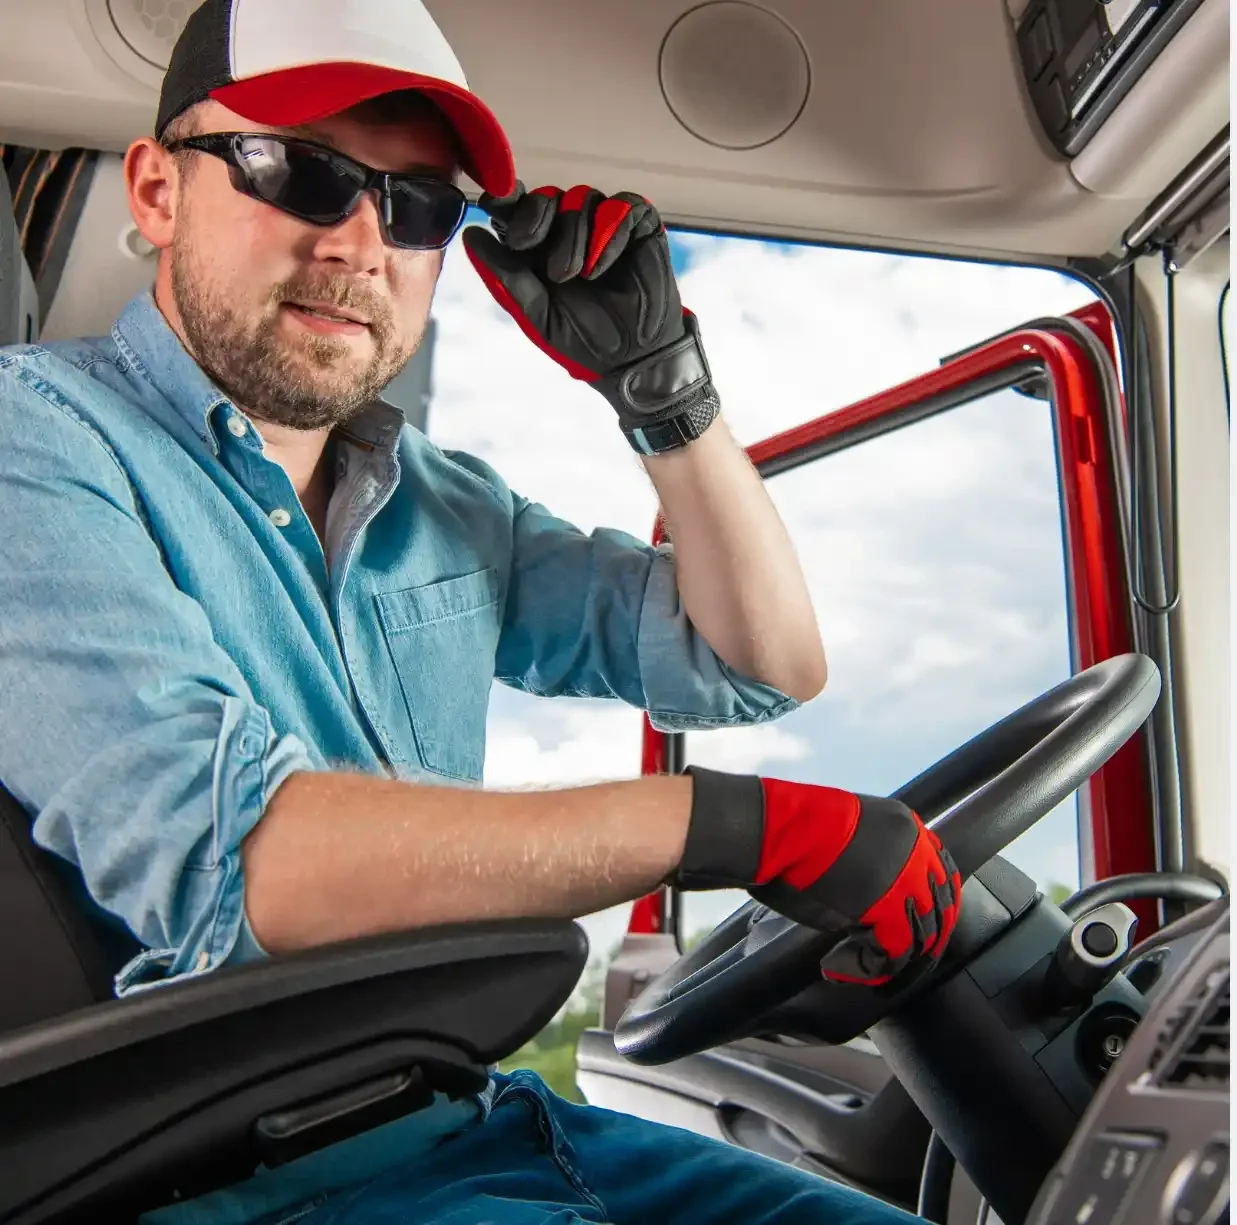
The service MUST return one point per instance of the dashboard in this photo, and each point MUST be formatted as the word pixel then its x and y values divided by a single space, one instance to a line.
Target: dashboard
pixel 1153 1146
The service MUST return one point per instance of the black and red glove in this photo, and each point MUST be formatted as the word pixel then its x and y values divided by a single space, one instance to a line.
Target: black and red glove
pixel 861 866
pixel 588 278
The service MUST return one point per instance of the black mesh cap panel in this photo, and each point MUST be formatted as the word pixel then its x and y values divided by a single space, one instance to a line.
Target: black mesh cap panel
pixel 199 62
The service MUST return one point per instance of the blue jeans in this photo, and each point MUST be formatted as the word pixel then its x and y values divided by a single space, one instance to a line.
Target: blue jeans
pixel 540 1160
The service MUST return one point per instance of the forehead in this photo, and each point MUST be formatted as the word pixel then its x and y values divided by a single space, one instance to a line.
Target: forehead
pixel 401 139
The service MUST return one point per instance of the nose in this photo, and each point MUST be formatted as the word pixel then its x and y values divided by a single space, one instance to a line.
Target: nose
pixel 357 240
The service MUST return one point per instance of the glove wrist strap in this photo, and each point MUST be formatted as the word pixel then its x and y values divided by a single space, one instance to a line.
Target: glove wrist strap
pixel 725 835
pixel 666 399
pixel 674 431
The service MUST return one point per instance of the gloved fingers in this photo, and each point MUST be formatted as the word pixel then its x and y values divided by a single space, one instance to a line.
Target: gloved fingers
pixel 618 222
pixel 583 231
pixel 523 219
pixel 567 248
pixel 592 230
pixel 946 901
pixel 857 958
pixel 864 957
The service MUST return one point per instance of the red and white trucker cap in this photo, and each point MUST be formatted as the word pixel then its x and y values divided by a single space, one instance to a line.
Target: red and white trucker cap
pixel 288 62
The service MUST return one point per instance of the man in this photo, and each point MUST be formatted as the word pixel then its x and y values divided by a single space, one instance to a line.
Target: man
pixel 256 620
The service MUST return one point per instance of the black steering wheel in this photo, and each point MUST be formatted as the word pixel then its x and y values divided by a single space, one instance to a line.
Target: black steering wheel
pixel 978 799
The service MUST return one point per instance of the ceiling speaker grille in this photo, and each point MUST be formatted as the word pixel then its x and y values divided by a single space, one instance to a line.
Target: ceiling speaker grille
pixel 150 28
pixel 734 75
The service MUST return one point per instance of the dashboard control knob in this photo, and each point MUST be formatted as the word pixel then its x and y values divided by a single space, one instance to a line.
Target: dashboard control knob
pixel 1197 1192
pixel 1089 955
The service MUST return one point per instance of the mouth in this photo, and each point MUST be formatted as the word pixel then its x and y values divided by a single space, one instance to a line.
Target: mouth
pixel 327 317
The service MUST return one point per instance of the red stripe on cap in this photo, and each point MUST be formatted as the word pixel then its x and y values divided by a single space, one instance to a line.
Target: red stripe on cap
pixel 294 96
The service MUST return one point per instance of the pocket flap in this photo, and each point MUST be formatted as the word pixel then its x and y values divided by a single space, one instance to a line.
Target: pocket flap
pixel 449 597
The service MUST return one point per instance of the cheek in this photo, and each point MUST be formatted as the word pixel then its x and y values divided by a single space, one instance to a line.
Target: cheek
pixel 244 245
pixel 412 276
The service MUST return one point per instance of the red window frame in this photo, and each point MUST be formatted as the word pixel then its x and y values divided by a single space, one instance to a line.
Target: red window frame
pixel 1116 805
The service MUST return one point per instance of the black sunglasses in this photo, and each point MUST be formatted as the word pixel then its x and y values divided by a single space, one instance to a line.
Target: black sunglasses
pixel 316 184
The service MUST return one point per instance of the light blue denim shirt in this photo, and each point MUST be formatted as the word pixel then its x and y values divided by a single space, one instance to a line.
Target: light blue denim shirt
pixel 175 641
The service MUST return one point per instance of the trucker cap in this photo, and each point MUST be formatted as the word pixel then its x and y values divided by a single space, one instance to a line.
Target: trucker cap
pixel 288 62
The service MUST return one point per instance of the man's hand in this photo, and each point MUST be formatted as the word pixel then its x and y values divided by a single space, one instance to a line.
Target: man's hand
pixel 863 867
pixel 589 280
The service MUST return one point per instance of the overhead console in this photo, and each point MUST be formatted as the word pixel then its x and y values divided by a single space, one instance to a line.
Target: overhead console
pixel 1081 57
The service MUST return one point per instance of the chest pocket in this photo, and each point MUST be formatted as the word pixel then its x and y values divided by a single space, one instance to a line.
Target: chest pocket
pixel 443 637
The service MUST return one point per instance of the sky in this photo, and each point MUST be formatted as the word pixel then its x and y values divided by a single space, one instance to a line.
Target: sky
pixel 933 555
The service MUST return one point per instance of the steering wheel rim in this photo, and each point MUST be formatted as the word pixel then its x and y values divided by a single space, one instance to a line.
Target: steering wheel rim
pixel 977 799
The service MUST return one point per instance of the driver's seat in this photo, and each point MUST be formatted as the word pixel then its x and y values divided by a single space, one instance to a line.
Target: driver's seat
pixel 112 1107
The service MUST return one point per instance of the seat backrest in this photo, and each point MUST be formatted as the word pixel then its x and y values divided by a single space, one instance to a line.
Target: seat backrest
pixel 19 314
pixel 55 956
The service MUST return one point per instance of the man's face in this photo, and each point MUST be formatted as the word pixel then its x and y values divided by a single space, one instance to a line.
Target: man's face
pixel 301 324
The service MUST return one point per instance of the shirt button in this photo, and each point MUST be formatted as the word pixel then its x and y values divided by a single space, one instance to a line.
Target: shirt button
pixel 280 517
pixel 237 428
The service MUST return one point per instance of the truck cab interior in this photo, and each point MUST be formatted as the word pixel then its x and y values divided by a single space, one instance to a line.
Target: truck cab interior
pixel 1068 1063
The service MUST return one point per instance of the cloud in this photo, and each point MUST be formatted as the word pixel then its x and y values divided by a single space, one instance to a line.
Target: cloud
pixel 933 554
pixel 568 742
pixel 561 742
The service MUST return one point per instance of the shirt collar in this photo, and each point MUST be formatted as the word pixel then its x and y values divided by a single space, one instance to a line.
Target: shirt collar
pixel 148 343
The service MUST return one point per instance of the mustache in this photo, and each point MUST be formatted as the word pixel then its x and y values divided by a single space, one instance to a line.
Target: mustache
pixel 342 291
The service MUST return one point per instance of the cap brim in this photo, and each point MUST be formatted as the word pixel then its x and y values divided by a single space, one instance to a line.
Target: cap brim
pixel 293 96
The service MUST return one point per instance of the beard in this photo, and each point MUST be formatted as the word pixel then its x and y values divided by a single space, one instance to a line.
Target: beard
pixel 307 382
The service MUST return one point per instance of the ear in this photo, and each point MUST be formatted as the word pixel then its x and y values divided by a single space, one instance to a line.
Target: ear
pixel 151 180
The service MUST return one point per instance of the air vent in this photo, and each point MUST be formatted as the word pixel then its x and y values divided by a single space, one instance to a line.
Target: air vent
pixel 1194 1051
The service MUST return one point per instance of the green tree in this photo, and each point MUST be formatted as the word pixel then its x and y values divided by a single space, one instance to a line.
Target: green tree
pixel 552 1053
pixel 1057 893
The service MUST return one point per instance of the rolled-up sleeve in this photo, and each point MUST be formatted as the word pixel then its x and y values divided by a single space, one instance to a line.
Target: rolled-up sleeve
pixel 131 737
pixel 599 615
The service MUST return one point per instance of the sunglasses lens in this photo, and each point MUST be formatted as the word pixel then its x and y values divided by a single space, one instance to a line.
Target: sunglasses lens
pixel 321 187
pixel 307 182
pixel 425 213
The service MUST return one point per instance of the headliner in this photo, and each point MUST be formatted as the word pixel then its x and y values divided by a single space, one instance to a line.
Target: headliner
pixel 916 132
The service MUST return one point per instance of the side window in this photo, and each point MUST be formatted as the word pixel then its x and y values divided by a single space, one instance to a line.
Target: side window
pixel 936 566
pixel 934 554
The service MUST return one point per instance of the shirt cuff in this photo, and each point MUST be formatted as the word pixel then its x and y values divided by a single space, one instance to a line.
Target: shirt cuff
pixel 258 763
pixel 686 686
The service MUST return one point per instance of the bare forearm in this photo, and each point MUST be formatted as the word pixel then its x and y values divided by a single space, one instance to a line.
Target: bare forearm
pixel 739 578
pixel 338 856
